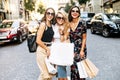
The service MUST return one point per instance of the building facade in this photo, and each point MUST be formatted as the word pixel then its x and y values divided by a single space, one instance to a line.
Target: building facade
pixel 95 6
pixel 2 10
pixel 56 4
pixel 111 6
pixel 11 9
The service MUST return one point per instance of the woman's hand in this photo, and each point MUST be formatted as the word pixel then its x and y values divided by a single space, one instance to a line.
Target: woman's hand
pixel 48 52
pixel 82 55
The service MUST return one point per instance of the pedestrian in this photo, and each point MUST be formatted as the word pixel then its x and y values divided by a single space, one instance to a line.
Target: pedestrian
pixel 44 38
pixel 61 23
pixel 77 36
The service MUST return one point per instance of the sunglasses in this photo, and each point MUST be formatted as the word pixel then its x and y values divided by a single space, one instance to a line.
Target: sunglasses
pixel 60 18
pixel 75 11
pixel 48 13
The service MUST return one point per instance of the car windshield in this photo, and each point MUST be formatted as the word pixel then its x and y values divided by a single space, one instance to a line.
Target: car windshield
pixel 6 25
pixel 106 18
pixel 15 24
pixel 113 17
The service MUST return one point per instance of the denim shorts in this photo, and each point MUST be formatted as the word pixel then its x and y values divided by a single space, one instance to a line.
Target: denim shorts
pixel 62 72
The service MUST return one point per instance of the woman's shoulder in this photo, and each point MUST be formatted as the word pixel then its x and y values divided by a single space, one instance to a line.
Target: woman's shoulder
pixel 42 24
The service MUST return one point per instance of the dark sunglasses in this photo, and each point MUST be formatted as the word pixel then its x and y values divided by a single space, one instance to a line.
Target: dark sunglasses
pixel 75 11
pixel 48 13
pixel 60 18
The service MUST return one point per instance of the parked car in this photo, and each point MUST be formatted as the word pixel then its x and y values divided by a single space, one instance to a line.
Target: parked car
pixel 87 18
pixel 101 23
pixel 13 30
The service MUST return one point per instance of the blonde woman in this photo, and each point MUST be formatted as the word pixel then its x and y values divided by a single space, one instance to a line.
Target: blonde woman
pixel 61 22
pixel 44 39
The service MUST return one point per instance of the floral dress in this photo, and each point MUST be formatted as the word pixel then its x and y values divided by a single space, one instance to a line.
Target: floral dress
pixel 76 38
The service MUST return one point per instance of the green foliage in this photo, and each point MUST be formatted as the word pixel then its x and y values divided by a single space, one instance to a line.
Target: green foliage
pixel 41 8
pixel 69 5
pixel 29 5
pixel 83 1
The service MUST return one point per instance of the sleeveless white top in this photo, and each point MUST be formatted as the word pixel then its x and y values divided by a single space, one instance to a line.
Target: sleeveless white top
pixel 56 33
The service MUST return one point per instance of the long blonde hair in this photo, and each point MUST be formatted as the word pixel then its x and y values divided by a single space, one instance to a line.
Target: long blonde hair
pixel 66 23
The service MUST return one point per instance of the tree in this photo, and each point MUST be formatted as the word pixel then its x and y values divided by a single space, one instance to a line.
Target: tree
pixel 29 5
pixel 41 8
pixel 69 5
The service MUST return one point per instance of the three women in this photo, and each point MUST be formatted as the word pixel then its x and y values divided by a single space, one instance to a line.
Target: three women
pixel 74 30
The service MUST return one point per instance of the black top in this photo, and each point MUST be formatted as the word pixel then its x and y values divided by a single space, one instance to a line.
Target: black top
pixel 48 34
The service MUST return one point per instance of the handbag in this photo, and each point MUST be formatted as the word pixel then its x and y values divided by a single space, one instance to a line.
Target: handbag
pixel 62 51
pixel 31 42
pixel 50 67
pixel 81 70
pixel 90 68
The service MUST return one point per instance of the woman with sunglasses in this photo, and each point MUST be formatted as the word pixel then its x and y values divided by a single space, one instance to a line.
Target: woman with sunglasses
pixel 44 38
pixel 61 22
pixel 77 36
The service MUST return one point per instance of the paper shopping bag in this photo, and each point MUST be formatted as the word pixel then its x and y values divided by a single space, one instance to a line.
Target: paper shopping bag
pixel 81 70
pixel 62 54
pixel 90 68
pixel 50 67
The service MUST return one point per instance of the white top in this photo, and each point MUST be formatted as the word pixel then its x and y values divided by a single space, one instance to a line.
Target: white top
pixel 56 32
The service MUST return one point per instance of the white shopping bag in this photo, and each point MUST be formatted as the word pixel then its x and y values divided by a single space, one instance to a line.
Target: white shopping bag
pixel 62 54
pixel 82 70
pixel 50 67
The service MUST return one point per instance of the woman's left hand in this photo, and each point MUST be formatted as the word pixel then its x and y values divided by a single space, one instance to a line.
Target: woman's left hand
pixel 82 55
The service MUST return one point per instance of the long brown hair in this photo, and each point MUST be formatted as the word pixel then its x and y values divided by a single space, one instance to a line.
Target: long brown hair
pixel 44 17
pixel 70 18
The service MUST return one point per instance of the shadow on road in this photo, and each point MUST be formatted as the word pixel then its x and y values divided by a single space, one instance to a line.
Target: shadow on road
pixel 10 44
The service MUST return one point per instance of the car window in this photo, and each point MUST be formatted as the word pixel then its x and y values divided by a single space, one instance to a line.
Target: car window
pixel 113 17
pixel 106 18
pixel 6 25
pixel 90 15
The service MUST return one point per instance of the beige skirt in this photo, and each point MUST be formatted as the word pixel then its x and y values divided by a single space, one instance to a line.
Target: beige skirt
pixel 41 55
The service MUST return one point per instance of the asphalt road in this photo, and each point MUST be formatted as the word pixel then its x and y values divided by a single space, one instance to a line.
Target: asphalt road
pixel 16 63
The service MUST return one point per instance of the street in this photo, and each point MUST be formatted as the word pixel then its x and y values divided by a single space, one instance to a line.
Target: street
pixel 16 63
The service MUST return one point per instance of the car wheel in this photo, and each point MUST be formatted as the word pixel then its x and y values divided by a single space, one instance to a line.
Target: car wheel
pixel 92 30
pixel 105 32
pixel 20 39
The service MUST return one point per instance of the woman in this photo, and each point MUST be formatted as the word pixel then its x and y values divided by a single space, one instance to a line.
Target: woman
pixel 44 38
pixel 61 22
pixel 77 36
